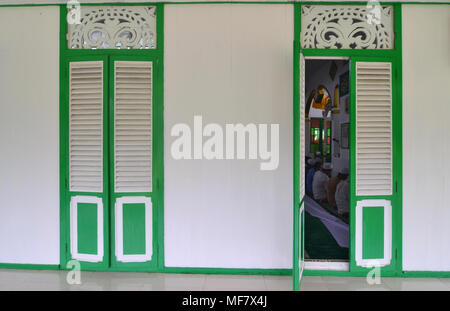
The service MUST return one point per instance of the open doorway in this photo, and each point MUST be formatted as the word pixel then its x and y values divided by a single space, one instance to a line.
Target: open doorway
pixel 327 162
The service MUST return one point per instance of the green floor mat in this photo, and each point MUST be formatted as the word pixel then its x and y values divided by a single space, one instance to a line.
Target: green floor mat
pixel 319 243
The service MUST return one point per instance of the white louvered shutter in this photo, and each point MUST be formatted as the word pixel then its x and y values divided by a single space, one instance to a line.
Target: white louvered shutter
pixel 373 128
pixel 85 126
pixel 302 126
pixel 133 126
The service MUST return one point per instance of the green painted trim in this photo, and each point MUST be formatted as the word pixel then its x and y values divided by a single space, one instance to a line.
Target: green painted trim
pixel 28 266
pixel 228 271
pixel 158 123
pixel 426 274
pixel 296 146
pixel 63 144
pixel 187 270
pixel 397 141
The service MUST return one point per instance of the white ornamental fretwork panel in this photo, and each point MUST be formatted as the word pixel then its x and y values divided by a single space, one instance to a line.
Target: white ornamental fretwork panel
pixel 347 27
pixel 114 27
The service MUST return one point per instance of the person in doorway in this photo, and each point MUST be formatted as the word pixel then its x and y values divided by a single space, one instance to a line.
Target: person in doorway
pixel 310 176
pixel 309 163
pixel 320 182
pixel 318 156
pixel 342 197
pixel 332 184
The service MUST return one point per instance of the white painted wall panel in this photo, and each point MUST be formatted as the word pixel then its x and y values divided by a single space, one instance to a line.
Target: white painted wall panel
pixel 230 64
pixel 29 131
pixel 426 147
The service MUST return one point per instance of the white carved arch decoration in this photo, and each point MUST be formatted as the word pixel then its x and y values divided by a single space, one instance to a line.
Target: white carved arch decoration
pixel 347 27
pixel 114 27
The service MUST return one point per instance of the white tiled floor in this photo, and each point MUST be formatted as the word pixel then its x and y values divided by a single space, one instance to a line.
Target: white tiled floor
pixel 56 280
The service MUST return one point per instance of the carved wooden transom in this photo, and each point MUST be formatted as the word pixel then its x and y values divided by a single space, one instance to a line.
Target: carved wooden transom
pixel 347 27
pixel 114 27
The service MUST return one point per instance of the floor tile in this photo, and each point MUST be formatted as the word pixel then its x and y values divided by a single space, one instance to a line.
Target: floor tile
pixel 235 282
pixel 312 283
pixel 446 282
pixel 353 284
pixel 416 284
pixel 278 282
pixel 136 281
pixel 184 282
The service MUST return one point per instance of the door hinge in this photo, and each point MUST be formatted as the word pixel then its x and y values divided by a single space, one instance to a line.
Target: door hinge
pixel 396 188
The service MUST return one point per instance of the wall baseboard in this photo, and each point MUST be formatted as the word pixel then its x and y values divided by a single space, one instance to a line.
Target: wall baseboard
pixel 227 271
pixel 426 274
pixel 28 266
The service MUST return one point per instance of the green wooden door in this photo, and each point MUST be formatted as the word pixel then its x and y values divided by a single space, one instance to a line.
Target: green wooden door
pixel 374 197
pixel 131 157
pixel 86 148
pixel 299 180
pixel 109 146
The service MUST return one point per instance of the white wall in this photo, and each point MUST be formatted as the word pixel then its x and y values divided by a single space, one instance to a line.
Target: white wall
pixel 29 152
pixel 230 64
pixel 426 144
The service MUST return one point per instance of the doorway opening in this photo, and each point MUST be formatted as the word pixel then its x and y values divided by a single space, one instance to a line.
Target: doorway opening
pixel 327 162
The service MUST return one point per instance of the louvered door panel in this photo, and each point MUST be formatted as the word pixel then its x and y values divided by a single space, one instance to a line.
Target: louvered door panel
pixel 85 126
pixel 302 127
pixel 373 128
pixel 133 126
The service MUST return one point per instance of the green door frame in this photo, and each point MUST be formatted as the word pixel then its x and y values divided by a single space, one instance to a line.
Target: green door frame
pixel 157 193
pixel 395 56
